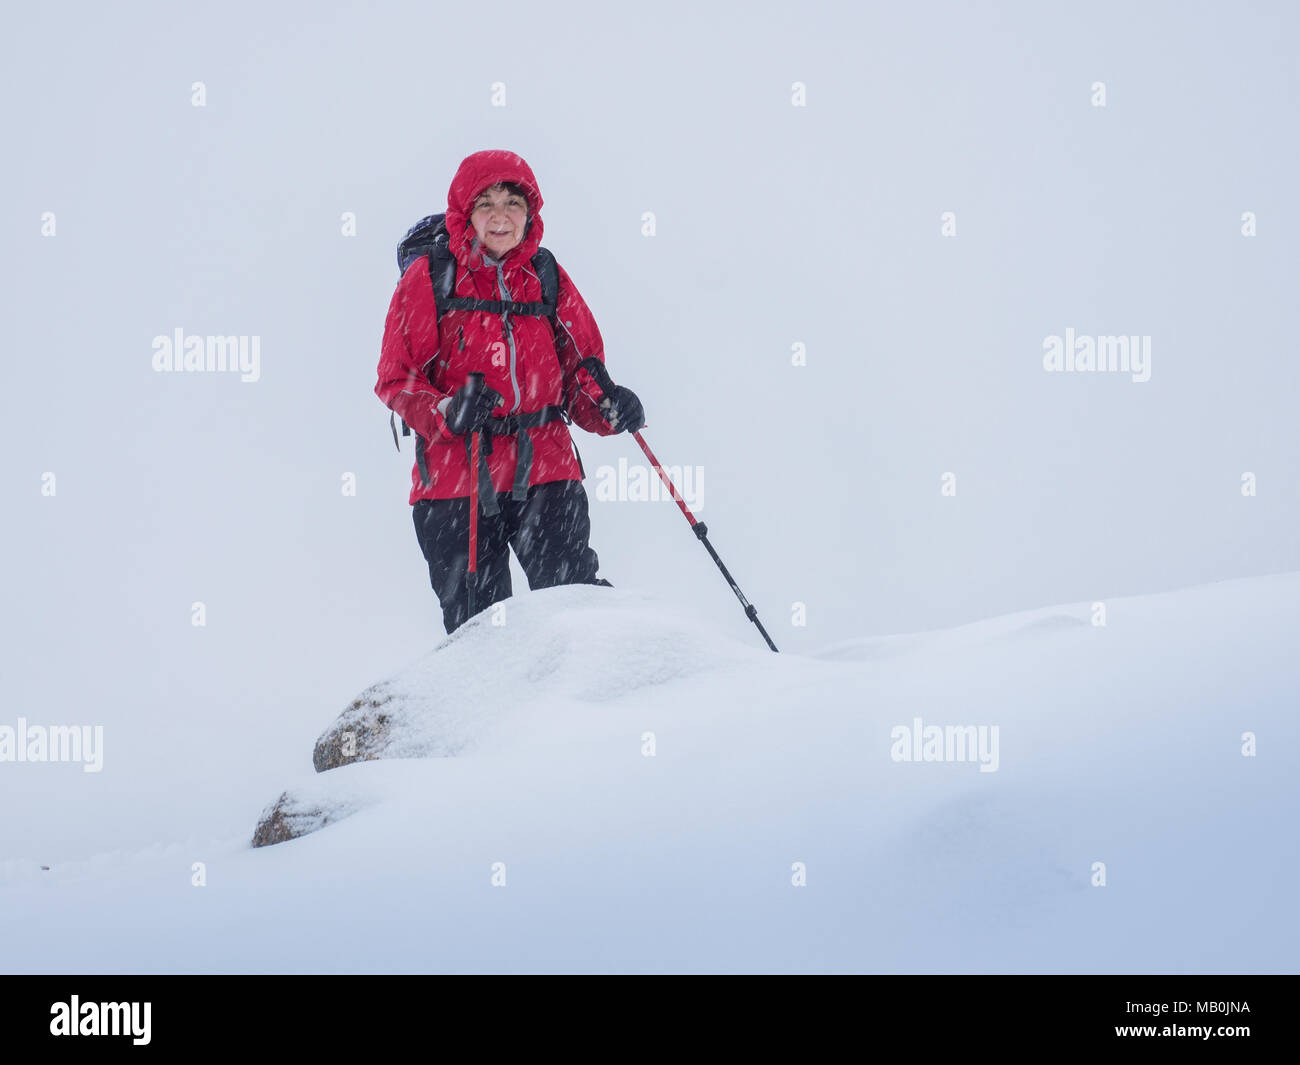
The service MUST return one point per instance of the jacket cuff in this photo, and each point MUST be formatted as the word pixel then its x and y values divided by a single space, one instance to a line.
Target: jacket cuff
pixel 440 418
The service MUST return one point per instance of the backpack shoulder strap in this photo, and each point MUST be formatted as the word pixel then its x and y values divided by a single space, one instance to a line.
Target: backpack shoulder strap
pixel 548 273
pixel 442 273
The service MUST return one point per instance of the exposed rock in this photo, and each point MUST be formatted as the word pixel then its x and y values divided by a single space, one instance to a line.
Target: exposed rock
pixel 291 816
pixel 361 732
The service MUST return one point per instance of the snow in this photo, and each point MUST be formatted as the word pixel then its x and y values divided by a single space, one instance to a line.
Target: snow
pixel 1118 744
pixel 475 685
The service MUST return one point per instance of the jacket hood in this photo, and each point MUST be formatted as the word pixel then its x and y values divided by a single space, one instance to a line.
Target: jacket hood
pixel 475 173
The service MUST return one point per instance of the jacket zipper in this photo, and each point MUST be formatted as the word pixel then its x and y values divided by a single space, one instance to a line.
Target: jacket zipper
pixel 510 337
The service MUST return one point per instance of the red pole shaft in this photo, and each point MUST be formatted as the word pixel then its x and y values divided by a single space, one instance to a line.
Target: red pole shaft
pixel 665 478
pixel 473 503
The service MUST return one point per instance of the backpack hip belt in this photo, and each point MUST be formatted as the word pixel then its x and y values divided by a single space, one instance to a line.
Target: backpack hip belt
pixel 515 425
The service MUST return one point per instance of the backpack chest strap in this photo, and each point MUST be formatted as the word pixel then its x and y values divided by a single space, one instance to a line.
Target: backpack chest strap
pixel 515 307
pixel 442 274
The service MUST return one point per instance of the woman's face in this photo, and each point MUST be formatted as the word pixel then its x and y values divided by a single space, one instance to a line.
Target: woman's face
pixel 499 218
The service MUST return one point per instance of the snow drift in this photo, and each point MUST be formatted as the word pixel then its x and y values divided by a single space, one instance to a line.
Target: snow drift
pixel 602 784
pixel 470 694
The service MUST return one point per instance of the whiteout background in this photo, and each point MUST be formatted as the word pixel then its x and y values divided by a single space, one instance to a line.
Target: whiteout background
pixel 776 225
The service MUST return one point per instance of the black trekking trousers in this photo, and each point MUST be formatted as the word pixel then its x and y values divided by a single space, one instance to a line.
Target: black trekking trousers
pixel 548 532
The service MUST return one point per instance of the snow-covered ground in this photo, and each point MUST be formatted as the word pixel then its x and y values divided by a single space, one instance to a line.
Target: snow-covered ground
pixel 636 790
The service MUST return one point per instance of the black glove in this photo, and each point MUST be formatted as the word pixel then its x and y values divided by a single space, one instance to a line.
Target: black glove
pixel 622 410
pixel 469 409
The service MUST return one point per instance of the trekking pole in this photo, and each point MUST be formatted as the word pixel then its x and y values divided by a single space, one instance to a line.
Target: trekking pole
pixel 473 382
pixel 601 376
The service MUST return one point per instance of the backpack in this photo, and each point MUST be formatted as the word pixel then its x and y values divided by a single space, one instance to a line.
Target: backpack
pixel 429 237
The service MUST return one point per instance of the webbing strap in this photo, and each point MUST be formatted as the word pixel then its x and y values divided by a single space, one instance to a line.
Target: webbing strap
pixel 442 273
pixel 421 463
pixel 510 425
pixel 515 307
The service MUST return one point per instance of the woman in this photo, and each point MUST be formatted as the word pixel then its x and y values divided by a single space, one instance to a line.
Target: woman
pixel 530 480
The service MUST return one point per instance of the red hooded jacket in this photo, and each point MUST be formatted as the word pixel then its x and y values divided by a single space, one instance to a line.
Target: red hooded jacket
pixel 422 362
